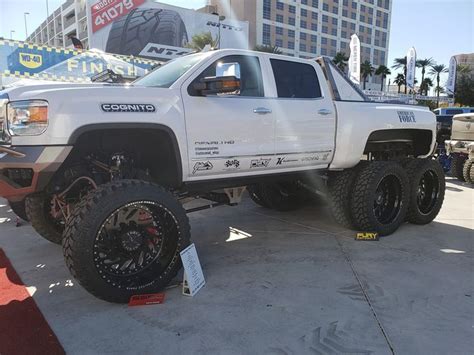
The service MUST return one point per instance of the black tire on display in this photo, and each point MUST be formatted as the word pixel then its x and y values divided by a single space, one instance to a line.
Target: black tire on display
pixel 133 32
pixel 255 193
pixel 124 239
pixel 467 171
pixel 340 185
pixel 427 189
pixel 38 210
pixel 380 197
pixel 457 165
pixel 283 196
pixel 19 209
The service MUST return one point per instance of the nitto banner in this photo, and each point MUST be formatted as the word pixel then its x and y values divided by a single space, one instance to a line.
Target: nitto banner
pixel 150 29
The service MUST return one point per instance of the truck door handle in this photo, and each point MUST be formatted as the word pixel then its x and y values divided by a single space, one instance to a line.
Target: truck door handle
pixel 324 112
pixel 262 111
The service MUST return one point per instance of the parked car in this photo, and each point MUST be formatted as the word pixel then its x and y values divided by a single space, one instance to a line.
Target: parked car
pixel 106 169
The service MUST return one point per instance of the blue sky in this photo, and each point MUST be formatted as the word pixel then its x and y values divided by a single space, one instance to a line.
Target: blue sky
pixel 437 28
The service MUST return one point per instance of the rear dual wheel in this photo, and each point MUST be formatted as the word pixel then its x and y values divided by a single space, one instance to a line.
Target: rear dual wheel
pixel 125 239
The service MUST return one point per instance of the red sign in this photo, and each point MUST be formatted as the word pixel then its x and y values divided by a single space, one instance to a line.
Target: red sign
pixel 107 11
pixel 145 300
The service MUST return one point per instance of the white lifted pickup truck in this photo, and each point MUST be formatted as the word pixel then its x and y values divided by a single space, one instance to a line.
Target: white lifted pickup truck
pixel 106 169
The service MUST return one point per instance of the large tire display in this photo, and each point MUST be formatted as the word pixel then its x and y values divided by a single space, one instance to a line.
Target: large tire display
pixel 380 197
pixel 19 209
pixel 427 189
pixel 38 210
pixel 125 239
pixel 468 171
pixel 457 165
pixel 131 34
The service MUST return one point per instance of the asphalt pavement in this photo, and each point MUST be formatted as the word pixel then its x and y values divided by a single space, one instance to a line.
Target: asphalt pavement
pixel 278 283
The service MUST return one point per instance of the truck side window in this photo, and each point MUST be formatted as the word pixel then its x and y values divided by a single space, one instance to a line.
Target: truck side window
pixel 295 80
pixel 251 81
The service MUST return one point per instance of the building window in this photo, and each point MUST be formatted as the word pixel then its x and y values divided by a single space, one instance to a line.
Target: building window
pixel 333 52
pixel 291 45
pixel 303 24
pixel 353 26
pixel 314 38
pixel 279 42
pixel 315 3
pixel 362 18
pixel 267 9
pixel 345 2
pixel 314 16
pixel 334 21
pixel 343 45
pixel 362 8
pixel 324 51
pixel 304 12
pixel 325 7
pixel 343 34
pixel 280 5
pixel 302 47
pixel 324 40
pixel 266 34
pixel 334 31
pixel 313 49
pixel 361 29
pixel 304 2
pixel 354 15
pixel 325 18
pixel 314 27
pixel 279 30
pixel 279 18
pixel 335 10
pixel 303 36
pixel 325 29
pixel 292 9
pixel 354 5
pixel 333 43
pixel 344 13
pixel 291 21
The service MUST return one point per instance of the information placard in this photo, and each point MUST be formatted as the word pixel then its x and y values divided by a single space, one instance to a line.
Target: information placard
pixel 193 275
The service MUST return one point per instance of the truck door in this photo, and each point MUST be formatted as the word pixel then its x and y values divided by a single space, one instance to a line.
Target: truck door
pixel 228 133
pixel 305 117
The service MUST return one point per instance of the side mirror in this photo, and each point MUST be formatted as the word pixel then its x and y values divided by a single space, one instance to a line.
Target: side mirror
pixel 215 85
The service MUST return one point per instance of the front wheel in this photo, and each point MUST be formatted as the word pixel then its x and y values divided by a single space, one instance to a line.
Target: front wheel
pixel 19 209
pixel 38 211
pixel 125 239
pixel 427 188
pixel 380 197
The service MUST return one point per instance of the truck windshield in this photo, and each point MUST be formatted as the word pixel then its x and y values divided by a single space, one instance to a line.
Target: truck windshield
pixel 167 74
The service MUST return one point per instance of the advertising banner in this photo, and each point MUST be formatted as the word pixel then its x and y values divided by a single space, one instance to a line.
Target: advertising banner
pixel 411 68
pixel 24 60
pixel 354 60
pixel 150 29
pixel 451 84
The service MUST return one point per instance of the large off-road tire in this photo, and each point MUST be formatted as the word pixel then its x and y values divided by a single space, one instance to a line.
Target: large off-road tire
pixel 255 193
pixel 18 208
pixel 132 33
pixel 457 165
pixel 283 196
pixel 340 186
pixel 468 171
pixel 125 239
pixel 38 210
pixel 380 197
pixel 427 189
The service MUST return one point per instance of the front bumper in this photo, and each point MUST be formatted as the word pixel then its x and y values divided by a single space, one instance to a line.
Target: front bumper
pixel 28 169
pixel 461 147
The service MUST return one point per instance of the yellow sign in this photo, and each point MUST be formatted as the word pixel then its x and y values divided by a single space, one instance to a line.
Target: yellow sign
pixel 31 61
pixel 367 236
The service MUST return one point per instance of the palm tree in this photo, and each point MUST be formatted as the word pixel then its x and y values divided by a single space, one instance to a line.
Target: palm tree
pixel 366 70
pixel 399 80
pixel 267 49
pixel 199 41
pixel 401 63
pixel 425 86
pixel 463 69
pixel 341 60
pixel 423 64
pixel 383 71
pixel 437 70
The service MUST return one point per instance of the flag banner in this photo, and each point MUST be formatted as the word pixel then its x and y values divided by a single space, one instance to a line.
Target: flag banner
pixel 411 68
pixel 354 60
pixel 451 84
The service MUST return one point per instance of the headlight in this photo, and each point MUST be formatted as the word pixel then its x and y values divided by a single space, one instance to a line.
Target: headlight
pixel 27 118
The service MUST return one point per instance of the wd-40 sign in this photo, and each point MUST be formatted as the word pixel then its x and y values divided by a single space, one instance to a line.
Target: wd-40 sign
pixel 23 60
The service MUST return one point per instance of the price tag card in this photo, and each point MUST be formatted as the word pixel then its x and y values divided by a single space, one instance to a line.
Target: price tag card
pixel 193 275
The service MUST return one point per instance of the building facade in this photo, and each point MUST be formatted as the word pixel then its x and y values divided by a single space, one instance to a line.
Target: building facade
pixel 310 28
pixel 466 60
pixel 69 19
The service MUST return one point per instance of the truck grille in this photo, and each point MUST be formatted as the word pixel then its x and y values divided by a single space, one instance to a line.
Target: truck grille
pixel 4 138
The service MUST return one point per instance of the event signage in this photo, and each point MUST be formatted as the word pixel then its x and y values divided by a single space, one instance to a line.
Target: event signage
pixel 451 84
pixel 354 60
pixel 153 30
pixel 411 68
pixel 193 275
